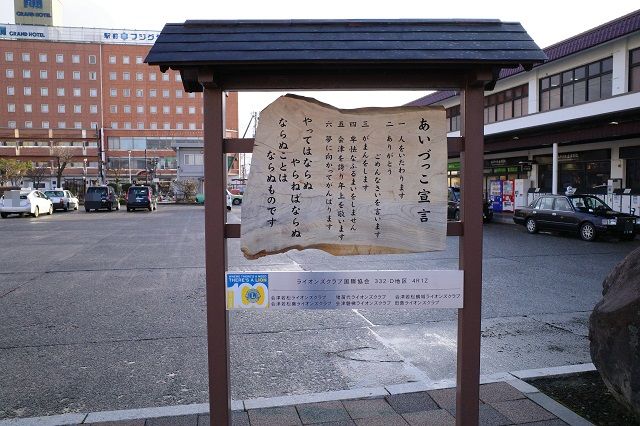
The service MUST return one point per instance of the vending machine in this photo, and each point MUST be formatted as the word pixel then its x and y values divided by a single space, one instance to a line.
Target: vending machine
pixel 508 195
pixel 495 195
pixel 521 190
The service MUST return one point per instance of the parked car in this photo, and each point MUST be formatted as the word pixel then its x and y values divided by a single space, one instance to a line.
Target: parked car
pixel 21 202
pixel 587 215
pixel 101 197
pixel 453 206
pixel 141 197
pixel 236 199
pixel 59 198
pixel 74 203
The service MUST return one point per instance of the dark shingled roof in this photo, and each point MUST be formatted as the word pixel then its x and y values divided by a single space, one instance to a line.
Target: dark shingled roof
pixel 604 33
pixel 229 45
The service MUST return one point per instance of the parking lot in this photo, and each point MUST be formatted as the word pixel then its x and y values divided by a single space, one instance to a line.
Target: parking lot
pixel 105 311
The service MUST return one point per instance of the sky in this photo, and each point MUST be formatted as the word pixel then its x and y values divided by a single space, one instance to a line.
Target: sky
pixel 546 21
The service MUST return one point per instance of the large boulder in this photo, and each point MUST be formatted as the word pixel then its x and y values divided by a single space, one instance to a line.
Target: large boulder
pixel 614 332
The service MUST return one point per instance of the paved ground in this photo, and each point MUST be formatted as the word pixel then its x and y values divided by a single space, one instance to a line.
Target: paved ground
pixel 105 311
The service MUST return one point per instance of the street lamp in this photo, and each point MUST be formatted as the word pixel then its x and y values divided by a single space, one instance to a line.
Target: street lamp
pixel 84 176
pixel 130 181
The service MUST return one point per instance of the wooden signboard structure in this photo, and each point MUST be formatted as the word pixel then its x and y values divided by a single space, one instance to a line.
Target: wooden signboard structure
pixel 462 55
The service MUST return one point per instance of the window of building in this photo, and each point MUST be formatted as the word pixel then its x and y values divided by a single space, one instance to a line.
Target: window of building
pixel 193 159
pixel 8 56
pixel 126 109
pixel 139 76
pixel 192 95
pixel 45 124
pixel 60 91
pixel 76 75
pixel 166 126
pixel 26 73
pixel 152 76
pixel 92 59
pixel 44 74
pixel 153 93
pixel 61 108
pixel 113 109
pixel 112 59
pixel 93 125
pixel 586 83
pixel 93 109
pixel 27 91
pixel 11 107
pixel 77 125
pixel 26 57
pixel 165 77
pixel 139 60
pixel 153 125
pixel 77 109
pixel 44 108
pixel 126 76
pixel 28 108
pixel 153 109
pixel 113 93
pixel 11 90
pixel 179 126
pixel 93 75
pixel 140 125
pixel 62 124
pixel 140 109
pixel 178 93
pixel 42 57
pixel 11 124
pixel 127 125
pixel 59 58
pixel 113 75
pixel 60 75
pixel 179 110
pixel 192 126
pixel 28 124
pixel 75 59
pixel 44 91
pixel 165 93
pixel 139 93
pixel 166 109
pixel 8 73
pixel 510 103
pixel 178 77
pixel 634 70
pixel 77 92
pixel 125 59
pixel 453 118
pixel 93 93
pixel 114 124
pixel 192 110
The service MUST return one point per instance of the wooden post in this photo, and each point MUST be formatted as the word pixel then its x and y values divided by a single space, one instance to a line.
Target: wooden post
pixel 469 317
pixel 215 175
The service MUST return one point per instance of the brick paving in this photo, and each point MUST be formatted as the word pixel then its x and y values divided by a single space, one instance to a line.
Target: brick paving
pixel 500 404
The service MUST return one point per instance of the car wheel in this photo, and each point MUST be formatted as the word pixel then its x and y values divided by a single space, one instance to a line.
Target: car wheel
pixel 65 208
pixel 531 225
pixel 629 237
pixel 588 231
pixel 150 207
pixel 118 207
pixel 3 215
pixel 236 202
pixel 36 212
pixel 76 207
pixel 87 209
pixel 50 212
pixel 456 215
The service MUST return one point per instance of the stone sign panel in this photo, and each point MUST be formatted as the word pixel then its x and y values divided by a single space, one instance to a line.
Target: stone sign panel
pixel 360 181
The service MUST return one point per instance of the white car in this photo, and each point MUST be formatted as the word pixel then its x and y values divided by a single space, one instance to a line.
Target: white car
pixel 61 199
pixel 25 201
pixel 72 200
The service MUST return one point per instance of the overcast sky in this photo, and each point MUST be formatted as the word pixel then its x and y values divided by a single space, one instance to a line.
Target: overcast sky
pixel 546 21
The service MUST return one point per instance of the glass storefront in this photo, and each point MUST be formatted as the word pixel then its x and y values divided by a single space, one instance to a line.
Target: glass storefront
pixel 631 154
pixel 504 169
pixel 587 171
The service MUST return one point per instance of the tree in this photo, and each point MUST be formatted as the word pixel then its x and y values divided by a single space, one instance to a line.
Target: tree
pixel 36 174
pixel 13 170
pixel 62 155
pixel 186 187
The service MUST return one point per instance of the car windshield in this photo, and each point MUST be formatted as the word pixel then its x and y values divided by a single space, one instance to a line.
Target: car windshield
pixel 139 192
pixel 586 202
pixel 54 193
pixel 97 190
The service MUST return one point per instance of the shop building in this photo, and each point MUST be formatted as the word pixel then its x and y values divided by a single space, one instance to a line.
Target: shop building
pixel 90 88
pixel 573 120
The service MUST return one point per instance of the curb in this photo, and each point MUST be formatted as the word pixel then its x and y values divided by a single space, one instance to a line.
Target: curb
pixel 513 378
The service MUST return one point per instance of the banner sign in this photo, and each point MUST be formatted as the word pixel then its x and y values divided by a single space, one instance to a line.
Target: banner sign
pixel 79 34
pixel 344 289
pixel 361 181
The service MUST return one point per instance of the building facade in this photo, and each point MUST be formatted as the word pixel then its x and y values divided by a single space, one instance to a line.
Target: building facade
pixel 573 120
pixel 90 89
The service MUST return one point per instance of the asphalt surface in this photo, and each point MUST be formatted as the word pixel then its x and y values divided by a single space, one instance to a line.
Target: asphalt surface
pixel 106 311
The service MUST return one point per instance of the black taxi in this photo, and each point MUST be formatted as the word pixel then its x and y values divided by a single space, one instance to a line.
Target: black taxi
pixel 587 215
